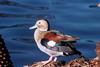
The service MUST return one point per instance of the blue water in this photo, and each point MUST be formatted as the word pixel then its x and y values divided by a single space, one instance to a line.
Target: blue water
pixel 72 17
pixel 97 0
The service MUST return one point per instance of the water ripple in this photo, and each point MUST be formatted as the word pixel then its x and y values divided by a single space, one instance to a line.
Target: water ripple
pixel 48 16
pixel 24 40
pixel 10 3
pixel 16 26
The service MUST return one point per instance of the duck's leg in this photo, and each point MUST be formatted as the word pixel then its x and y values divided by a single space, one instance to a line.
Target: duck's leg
pixel 55 59
pixel 46 62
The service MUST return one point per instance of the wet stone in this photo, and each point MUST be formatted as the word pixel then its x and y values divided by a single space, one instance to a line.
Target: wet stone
pixel 4 55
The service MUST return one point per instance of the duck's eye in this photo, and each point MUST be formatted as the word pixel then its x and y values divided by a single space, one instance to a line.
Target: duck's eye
pixel 39 22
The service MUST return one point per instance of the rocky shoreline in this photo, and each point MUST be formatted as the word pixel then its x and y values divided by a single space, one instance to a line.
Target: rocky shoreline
pixel 78 62
pixel 4 55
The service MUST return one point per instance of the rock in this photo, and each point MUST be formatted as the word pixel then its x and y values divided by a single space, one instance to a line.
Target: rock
pixel 4 55
pixel 98 53
pixel 78 62
pixel 51 64
pixel 98 49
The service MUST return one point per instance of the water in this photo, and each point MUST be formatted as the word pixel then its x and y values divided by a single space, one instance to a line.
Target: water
pixel 68 16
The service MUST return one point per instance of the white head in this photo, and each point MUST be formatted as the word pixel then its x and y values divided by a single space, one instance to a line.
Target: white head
pixel 98 4
pixel 41 25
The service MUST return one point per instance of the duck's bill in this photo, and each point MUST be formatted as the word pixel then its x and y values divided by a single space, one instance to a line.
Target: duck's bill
pixel 33 27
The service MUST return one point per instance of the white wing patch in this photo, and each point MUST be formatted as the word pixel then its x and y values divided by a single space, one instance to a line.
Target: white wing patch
pixel 51 43
pixel 68 35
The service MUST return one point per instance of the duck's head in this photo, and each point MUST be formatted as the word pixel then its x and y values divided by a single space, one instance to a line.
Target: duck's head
pixel 98 4
pixel 41 25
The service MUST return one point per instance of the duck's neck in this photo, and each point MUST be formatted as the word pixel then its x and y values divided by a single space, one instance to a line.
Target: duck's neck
pixel 38 35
